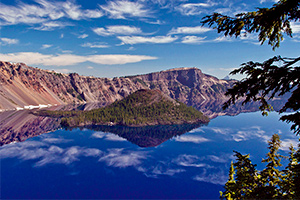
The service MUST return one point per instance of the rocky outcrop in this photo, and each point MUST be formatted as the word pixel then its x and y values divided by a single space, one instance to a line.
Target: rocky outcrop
pixel 21 86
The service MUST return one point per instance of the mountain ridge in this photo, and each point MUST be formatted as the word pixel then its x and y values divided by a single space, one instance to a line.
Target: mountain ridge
pixel 21 85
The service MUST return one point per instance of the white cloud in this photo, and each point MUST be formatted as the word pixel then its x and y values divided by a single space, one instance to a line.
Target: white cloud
pixel 118 59
pixel 159 170
pixel 95 45
pixel 263 1
pixel 286 144
pixel 131 48
pixel 157 22
pixel 139 39
pixel 8 41
pixel 122 9
pixel 44 11
pixel 223 131
pixel 223 39
pixel 117 30
pixel 189 30
pixel 295 27
pixel 191 138
pixel 218 178
pixel 188 161
pixel 253 132
pixel 108 136
pixel 194 8
pixel 113 137
pixel 99 135
pixel 46 46
pixel 49 26
pixel 83 36
pixel 55 140
pixel 192 40
pixel 74 12
pixel 46 153
pixel 218 159
pixel 69 59
pixel 121 158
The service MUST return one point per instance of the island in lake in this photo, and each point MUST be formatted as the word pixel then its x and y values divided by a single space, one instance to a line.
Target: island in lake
pixel 142 108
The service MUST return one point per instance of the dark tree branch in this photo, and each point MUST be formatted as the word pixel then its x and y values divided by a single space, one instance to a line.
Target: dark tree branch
pixel 269 23
pixel 266 80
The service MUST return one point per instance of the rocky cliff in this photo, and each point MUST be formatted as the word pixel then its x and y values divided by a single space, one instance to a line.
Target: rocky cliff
pixel 23 86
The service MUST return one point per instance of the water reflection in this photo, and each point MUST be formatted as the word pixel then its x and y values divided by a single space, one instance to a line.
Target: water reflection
pixel 17 126
pixel 100 165
pixel 147 136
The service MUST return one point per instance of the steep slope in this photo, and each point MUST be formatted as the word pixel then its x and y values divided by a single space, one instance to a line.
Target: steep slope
pixel 21 86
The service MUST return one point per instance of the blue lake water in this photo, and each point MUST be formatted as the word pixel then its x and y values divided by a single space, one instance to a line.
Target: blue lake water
pixel 96 164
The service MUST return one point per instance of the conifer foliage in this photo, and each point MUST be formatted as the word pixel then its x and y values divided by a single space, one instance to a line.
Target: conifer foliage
pixel 246 182
pixel 142 108
pixel 274 77
pixel 264 81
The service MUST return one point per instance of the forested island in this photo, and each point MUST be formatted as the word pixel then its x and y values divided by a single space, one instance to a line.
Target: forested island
pixel 142 108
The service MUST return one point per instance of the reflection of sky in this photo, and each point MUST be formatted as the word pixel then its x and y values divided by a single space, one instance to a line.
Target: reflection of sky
pixel 201 156
pixel 107 136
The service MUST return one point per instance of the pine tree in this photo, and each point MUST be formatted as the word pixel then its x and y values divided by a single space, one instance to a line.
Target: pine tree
pixel 288 185
pixel 271 175
pixel 245 182
pixel 245 179
pixel 230 186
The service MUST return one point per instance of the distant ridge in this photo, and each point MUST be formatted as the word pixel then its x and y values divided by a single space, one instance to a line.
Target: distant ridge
pixel 21 85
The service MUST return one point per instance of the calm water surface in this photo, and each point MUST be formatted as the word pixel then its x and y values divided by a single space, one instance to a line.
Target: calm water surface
pixel 114 163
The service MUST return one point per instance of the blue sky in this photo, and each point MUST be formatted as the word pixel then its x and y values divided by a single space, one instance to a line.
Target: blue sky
pixel 121 37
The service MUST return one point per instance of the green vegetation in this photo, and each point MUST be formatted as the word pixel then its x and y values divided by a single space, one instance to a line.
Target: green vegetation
pixel 144 107
pixel 140 81
pixel 55 73
pixel 246 182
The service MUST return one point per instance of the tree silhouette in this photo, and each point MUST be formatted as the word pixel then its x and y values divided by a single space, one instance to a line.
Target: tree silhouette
pixel 274 77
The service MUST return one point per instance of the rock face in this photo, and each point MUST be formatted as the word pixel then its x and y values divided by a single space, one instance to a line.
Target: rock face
pixel 21 86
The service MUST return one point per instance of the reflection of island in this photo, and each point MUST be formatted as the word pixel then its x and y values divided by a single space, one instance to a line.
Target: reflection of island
pixel 17 126
pixel 147 136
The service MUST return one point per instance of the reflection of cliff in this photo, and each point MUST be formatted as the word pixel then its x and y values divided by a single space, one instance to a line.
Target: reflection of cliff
pixel 17 126
pixel 147 136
